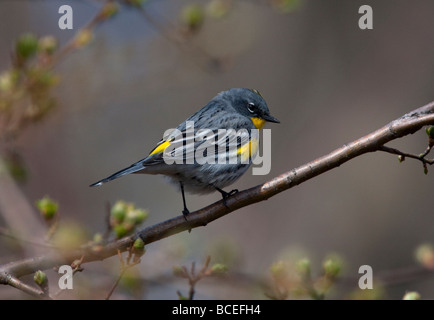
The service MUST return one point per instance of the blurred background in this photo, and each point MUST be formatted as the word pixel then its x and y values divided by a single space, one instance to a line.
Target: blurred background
pixel 104 93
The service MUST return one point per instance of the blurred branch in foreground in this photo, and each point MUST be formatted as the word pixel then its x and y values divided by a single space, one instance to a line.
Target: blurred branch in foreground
pixel 407 124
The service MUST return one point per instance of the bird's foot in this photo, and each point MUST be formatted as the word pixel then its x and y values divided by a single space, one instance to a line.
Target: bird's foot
pixel 226 195
pixel 185 212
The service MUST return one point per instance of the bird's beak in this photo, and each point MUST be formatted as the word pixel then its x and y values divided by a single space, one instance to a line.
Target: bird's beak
pixel 270 118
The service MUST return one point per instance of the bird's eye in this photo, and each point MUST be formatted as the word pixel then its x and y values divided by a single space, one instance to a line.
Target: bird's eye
pixel 251 107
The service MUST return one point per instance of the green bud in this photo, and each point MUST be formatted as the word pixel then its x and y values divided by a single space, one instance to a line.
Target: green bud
pixel 120 230
pixel 182 297
pixel 178 271
pixel 47 44
pixel 219 268
pixel 192 16
pixel 430 131
pixel 139 249
pixel 425 255
pixel 286 6
pixel 97 238
pixel 412 295
pixel 425 169
pixel 136 216
pixel 46 78
pixel 217 8
pixel 6 83
pixel 332 266
pixel 26 45
pixel 40 278
pixel 83 38
pixel 377 293
pixel 278 269
pixel 303 267
pixel 118 212
pixel 47 207
pixel 139 244
pixel 401 158
pixel 135 3
pixel 8 80
pixel 109 10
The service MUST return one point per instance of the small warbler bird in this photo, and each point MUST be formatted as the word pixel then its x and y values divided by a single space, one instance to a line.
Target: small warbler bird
pixel 212 148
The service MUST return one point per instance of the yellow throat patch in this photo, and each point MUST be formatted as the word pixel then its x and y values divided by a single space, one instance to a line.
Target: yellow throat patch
pixel 258 122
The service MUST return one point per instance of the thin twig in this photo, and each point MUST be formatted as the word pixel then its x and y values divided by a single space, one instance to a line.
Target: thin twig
pixel 71 45
pixel 193 278
pixel 212 61
pixel 408 155
pixel 125 265
pixel 76 265
pixel 7 233
pixel 115 284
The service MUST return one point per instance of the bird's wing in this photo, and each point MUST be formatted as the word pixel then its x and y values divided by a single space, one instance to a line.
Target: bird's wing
pixel 204 137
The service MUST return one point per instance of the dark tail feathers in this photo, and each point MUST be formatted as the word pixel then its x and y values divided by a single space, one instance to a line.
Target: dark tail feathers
pixel 131 169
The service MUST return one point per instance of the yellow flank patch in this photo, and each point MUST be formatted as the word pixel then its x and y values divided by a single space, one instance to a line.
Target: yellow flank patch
pixel 248 149
pixel 160 148
pixel 258 122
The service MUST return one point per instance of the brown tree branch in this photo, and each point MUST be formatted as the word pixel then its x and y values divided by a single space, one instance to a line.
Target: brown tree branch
pixel 407 124
pixel 16 283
